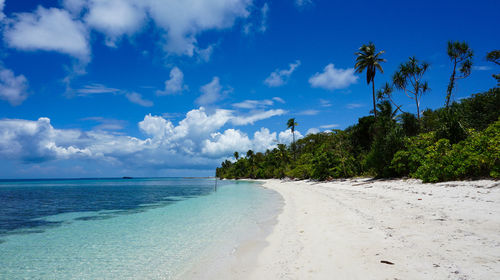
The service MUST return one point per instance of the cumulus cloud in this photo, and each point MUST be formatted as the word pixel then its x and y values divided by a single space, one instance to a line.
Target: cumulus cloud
pixel 115 18
pixel 194 142
pixel 183 20
pixel 312 130
pixel 175 84
pixel 286 137
pixel 49 30
pixel 136 98
pixel 280 77
pixel 332 78
pixel 226 143
pixel 35 141
pixel 13 89
pixel 234 140
pixel 178 23
pixel 74 6
pixel 212 92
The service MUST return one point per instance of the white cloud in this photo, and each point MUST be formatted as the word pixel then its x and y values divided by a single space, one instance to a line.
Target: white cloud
pixel 12 88
pixel 212 92
pixel 182 20
pixel 35 141
pixel 194 142
pixel 74 6
pixel 2 5
pixel 325 103
pixel 178 22
pixel 332 78
pixel 312 131
pixel 310 112
pixel 264 15
pixel 263 139
pixel 354 105
pixel 226 143
pixel 286 137
pixel 49 30
pixel 278 99
pixel 256 116
pixel 136 98
pixel 253 104
pixel 95 89
pixel 329 126
pixel 115 18
pixel 175 84
pixel 280 77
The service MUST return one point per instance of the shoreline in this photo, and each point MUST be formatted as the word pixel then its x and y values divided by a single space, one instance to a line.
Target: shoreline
pixel 380 229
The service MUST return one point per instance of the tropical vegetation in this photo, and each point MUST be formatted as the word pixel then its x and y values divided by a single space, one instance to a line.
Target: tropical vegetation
pixel 459 141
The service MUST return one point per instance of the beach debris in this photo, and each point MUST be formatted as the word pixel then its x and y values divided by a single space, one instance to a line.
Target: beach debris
pixel 387 262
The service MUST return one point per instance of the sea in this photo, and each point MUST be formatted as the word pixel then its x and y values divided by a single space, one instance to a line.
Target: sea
pixel 144 228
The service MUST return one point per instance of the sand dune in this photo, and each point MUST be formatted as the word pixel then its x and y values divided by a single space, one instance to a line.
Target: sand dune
pixel 398 229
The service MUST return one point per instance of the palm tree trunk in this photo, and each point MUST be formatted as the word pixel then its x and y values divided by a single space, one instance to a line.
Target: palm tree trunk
pixel 374 105
pixel 451 85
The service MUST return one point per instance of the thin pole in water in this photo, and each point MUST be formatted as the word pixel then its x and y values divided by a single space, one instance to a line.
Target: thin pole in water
pixel 215 183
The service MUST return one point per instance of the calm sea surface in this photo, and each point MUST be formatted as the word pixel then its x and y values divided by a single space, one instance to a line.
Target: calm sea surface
pixel 154 228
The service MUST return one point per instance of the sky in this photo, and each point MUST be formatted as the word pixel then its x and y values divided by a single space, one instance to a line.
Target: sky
pixel 110 88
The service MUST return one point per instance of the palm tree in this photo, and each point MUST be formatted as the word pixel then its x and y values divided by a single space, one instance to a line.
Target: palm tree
pixel 370 60
pixel 459 53
pixel 291 124
pixel 409 79
pixel 236 155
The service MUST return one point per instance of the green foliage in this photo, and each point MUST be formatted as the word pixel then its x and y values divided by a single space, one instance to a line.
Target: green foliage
pixel 477 156
pixel 407 160
pixel 458 142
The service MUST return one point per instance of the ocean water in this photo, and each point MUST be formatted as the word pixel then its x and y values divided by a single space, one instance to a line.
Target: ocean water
pixel 125 229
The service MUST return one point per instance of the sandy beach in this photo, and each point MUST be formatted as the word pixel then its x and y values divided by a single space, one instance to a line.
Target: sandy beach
pixel 397 229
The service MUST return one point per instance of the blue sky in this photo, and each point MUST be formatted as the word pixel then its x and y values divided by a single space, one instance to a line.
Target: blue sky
pixel 102 88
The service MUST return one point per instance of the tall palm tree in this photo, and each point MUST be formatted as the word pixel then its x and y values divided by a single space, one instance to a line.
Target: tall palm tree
pixel 236 155
pixel 367 58
pixel 459 53
pixel 291 124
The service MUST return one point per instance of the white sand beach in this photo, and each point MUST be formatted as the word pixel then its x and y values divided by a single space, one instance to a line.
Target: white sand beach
pixel 345 229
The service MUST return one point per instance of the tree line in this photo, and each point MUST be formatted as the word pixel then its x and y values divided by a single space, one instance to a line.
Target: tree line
pixel 458 141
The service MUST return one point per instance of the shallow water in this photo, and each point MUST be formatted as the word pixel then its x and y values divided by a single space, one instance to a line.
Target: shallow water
pixel 129 229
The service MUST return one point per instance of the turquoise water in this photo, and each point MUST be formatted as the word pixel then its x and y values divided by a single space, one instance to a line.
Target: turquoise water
pixel 160 230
